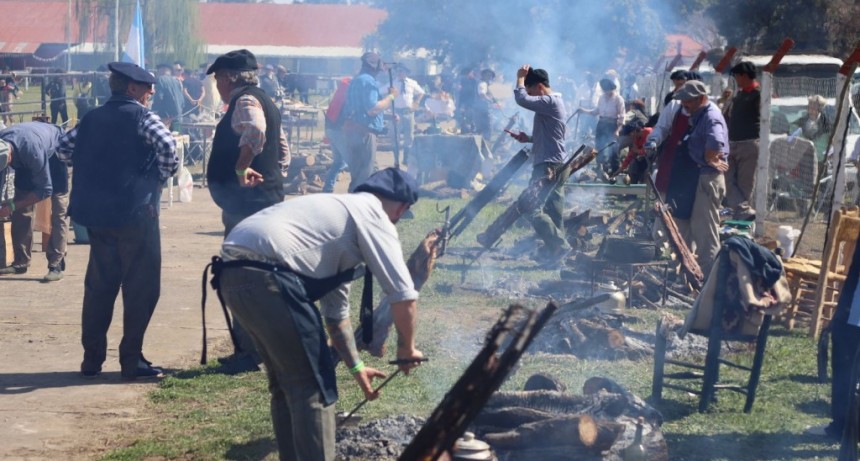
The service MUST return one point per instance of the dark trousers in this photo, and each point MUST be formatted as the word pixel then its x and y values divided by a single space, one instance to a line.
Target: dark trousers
pixel 59 108
pixel 127 258
pixel 845 339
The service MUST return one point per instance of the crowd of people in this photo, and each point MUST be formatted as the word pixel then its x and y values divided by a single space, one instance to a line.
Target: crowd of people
pixel 278 258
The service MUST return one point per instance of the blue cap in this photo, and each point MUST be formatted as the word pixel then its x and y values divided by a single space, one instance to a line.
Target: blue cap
pixel 132 71
pixel 392 184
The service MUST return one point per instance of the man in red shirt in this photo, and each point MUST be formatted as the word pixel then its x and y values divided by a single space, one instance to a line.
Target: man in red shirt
pixel 635 162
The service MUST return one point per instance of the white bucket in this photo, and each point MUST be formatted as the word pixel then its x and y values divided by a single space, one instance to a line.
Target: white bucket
pixel 787 236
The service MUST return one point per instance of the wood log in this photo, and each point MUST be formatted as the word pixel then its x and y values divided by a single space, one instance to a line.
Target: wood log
pixel 622 217
pixel 559 453
pixel 510 417
pixel 545 382
pixel 532 197
pixel 552 401
pixel 571 430
pixel 602 335
pixel 689 264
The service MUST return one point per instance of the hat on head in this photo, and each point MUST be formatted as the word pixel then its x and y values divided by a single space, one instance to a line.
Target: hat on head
pixel 691 90
pixel 693 75
pixel 607 84
pixel 678 75
pixel 392 184
pixel 372 60
pixel 269 67
pixel 491 73
pixel 744 67
pixel 234 60
pixel 536 76
pixel 632 126
pixel 132 72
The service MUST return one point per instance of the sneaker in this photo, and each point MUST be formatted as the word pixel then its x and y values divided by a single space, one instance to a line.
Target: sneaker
pixel 54 274
pixel 144 370
pixel 13 269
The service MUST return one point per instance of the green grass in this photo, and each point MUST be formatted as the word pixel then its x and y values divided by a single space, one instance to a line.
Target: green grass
pixel 202 415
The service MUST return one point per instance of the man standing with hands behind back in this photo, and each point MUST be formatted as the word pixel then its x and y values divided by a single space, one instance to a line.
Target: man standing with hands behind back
pixel 533 93
pixel 120 212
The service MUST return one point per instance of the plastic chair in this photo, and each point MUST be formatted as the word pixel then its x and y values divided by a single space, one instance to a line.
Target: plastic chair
pixel 709 371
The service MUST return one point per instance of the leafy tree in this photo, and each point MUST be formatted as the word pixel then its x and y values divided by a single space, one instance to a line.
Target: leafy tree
pixel 170 27
pixel 765 23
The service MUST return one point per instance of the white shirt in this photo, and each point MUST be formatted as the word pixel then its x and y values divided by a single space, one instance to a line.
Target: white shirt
pixel 611 107
pixel 321 235
pixel 408 90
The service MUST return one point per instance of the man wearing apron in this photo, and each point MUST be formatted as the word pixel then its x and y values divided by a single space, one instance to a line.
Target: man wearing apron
pixel 280 261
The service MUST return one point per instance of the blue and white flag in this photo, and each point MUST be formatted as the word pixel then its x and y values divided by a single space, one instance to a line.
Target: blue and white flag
pixel 133 49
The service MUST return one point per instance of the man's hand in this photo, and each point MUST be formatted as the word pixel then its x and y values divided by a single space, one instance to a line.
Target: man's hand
pixel 650 146
pixel 251 178
pixel 523 71
pixel 521 137
pixel 408 354
pixel 715 160
pixel 5 211
pixel 392 91
pixel 365 378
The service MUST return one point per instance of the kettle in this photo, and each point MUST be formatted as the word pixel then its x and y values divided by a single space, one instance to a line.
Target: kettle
pixel 617 300
pixel 469 448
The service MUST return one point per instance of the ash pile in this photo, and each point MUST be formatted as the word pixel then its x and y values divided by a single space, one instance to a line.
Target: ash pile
pixel 378 440
pixel 545 422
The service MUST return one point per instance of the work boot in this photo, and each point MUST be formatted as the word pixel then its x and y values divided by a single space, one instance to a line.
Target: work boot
pixel 13 270
pixel 144 370
pixel 54 274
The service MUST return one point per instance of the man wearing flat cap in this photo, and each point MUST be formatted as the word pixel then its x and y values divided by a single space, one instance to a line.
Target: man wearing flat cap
pixel 533 93
pixel 708 147
pixel 121 154
pixel 244 172
pixel 409 97
pixel 363 121
pixel 277 263
pixel 744 122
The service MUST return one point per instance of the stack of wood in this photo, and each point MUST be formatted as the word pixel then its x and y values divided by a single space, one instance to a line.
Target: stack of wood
pixel 305 174
pixel 589 334
pixel 581 227
pixel 544 422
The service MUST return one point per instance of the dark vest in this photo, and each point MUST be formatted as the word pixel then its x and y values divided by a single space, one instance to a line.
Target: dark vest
pixel 745 118
pixel 116 173
pixel 221 172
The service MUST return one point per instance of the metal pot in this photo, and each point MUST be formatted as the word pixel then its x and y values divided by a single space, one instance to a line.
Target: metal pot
pixel 470 448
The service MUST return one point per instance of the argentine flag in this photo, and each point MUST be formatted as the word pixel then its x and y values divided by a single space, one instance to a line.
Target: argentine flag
pixel 133 49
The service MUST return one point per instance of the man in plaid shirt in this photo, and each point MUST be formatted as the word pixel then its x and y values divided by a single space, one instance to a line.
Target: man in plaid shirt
pixel 121 154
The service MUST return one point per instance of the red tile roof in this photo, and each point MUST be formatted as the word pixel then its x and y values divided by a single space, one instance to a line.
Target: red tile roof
pixel 28 23
pixel 689 47
pixel 288 25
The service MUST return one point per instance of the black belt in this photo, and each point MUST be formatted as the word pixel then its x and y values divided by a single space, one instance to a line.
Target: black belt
pixel 218 265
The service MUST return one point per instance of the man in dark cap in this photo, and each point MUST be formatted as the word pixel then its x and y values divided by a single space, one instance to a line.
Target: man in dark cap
pixel 363 118
pixel 121 154
pixel 678 78
pixel 281 260
pixel 244 173
pixel 29 149
pixel 533 93
pixel 708 147
pixel 610 118
pixel 269 83
pixel 744 118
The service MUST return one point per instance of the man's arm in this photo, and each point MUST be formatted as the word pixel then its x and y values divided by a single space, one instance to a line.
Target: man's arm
pixel 66 146
pixel 25 200
pixel 157 135
pixel 249 122
pixel 340 333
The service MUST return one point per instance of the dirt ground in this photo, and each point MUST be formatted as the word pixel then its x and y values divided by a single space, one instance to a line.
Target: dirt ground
pixel 47 410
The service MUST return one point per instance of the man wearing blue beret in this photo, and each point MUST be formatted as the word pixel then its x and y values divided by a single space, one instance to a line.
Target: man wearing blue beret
pixel 280 261
pixel 121 154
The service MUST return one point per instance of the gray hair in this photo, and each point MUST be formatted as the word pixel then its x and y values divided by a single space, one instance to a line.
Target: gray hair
pixel 819 100
pixel 242 77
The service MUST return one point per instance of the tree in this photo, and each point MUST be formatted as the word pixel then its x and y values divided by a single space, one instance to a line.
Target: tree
pixel 170 27
pixel 552 33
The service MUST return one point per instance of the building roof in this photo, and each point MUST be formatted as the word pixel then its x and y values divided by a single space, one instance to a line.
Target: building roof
pixel 288 30
pixel 266 29
pixel 688 46
pixel 28 24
